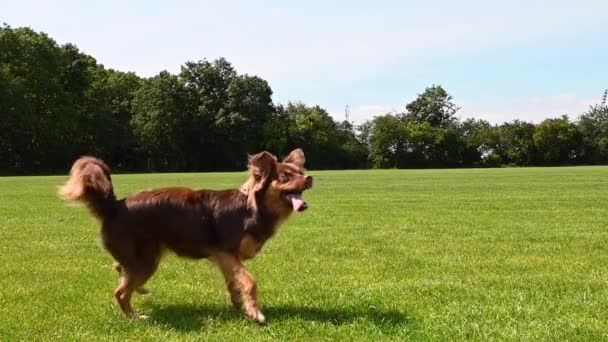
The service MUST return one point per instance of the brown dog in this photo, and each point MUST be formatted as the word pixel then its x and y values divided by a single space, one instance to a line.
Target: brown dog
pixel 226 226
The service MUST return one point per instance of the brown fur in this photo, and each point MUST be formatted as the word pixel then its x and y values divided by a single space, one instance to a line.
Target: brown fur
pixel 225 226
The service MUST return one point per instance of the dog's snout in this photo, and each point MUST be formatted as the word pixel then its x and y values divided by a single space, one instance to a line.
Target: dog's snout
pixel 309 182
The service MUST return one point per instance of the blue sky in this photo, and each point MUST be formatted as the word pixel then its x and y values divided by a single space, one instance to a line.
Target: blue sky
pixel 500 60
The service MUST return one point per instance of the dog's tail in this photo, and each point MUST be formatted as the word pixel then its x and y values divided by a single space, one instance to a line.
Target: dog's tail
pixel 90 182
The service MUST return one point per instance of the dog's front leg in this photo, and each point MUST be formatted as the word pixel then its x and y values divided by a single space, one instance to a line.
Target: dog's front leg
pixel 241 286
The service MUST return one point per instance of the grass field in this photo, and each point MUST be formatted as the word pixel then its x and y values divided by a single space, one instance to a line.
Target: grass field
pixel 515 254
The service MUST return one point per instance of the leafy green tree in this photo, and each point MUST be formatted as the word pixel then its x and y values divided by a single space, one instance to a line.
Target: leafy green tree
pixel 277 129
pixel 37 115
pixel 315 131
pixel 387 140
pixel 106 118
pixel 447 147
pixel 428 146
pixel 248 108
pixel 57 103
pixel 159 118
pixel 418 149
pixel 480 140
pixel 364 131
pixel 327 144
pixel 228 114
pixel 352 152
pixel 593 127
pixel 207 134
pixel 77 72
pixel 516 143
pixel 557 141
pixel 434 106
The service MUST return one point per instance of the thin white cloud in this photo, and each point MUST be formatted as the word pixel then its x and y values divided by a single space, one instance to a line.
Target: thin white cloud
pixel 533 108
pixel 495 110
pixel 360 114
pixel 283 42
pixel 297 46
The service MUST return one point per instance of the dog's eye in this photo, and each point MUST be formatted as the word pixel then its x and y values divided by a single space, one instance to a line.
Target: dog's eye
pixel 284 177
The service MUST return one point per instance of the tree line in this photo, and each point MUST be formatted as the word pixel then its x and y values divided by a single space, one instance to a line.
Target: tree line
pixel 57 103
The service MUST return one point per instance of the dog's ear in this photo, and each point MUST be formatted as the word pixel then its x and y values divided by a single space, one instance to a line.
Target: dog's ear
pixel 296 157
pixel 262 166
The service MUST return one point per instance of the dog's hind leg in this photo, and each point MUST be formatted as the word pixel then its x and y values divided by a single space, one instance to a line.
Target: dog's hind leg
pixel 135 272
pixel 123 294
pixel 140 290
pixel 130 281
pixel 241 285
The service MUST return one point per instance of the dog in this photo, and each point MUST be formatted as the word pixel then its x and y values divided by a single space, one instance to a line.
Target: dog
pixel 224 226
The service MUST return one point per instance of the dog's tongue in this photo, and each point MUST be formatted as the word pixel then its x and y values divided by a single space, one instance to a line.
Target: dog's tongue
pixel 297 203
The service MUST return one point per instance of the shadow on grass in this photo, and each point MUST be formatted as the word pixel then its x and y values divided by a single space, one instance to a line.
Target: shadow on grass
pixel 188 317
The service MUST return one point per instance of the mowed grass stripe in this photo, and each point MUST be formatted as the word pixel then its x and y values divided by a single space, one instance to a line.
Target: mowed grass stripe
pixel 508 254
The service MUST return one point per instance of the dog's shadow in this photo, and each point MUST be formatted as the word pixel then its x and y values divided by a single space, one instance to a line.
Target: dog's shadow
pixel 189 317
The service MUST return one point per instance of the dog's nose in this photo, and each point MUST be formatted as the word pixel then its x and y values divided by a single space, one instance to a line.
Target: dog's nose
pixel 308 182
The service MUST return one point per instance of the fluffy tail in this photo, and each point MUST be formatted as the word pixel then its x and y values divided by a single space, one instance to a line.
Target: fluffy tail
pixel 90 182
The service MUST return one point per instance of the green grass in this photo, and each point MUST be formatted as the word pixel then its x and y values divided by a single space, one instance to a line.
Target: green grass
pixel 497 254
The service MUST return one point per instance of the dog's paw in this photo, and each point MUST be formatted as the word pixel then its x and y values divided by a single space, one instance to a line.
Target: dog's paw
pixel 257 317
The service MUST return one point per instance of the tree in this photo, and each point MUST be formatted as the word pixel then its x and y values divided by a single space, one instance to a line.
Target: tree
pixel 593 127
pixel 516 143
pixel 352 153
pixel 106 118
pixel 57 103
pixel 447 147
pixel 387 140
pixel 434 106
pixel 37 114
pixel 159 119
pixel 479 141
pixel 248 108
pixel 327 144
pixel 207 134
pixel 277 131
pixel 557 141
pixel 227 113
pixel 315 131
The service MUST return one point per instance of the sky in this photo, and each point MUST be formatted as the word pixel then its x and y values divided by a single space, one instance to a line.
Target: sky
pixel 500 60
